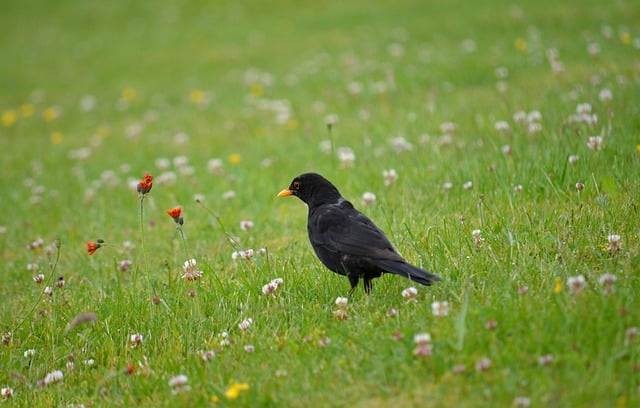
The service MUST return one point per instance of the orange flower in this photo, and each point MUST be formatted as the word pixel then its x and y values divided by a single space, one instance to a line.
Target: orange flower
pixel 145 185
pixel 92 247
pixel 175 214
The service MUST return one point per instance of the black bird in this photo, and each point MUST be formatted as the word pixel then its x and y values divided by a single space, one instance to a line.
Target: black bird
pixel 345 240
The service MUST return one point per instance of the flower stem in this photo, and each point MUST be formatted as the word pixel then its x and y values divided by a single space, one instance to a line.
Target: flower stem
pixel 144 250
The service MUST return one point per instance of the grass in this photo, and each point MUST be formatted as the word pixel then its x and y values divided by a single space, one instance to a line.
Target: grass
pixel 95 95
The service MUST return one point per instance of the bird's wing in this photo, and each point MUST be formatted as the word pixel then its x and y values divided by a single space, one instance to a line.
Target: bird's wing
pixel 342 228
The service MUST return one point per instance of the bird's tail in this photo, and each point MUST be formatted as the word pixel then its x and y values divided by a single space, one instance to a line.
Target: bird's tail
pixel 408 271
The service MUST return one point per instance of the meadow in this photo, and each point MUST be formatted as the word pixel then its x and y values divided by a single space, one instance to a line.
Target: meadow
pixel 496 143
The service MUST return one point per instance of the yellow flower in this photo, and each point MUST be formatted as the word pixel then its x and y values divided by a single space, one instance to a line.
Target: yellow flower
pixel 9 118
pixel 234 158
pixel 26 110
pixel 197 96
pixel 557 287
pixel 128 94
pixel 57 138
pixel 257 90
pixel 234 390
pixel 638 148
pixel 291 124
pixel 50 114
pixel 215 399
pixel 625 37
pixel 521 44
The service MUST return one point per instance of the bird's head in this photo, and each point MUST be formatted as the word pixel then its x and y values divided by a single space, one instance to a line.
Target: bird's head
pixel 313 189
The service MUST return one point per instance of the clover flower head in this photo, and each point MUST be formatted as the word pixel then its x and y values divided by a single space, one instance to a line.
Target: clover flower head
pixel 53 377
pixel 207 355
pixel 614 244
pixel 190 270
pixel 423 347
pixel 576 284
pixel 6 392
pixel 271 287
pixel 179 384
pixel 502 126
pixel 342 302
pixel 124 265
pixel 483 364
pixel 136 339
pixel 440 309
pixel 545 359
pixel 399 144
pixel 521 402
pixel 346 156
pixel 410 294
pixel 390 176
pixel 246 225
pixel 368 198
pixel 242 254
pixel 245 324
pixel 595 143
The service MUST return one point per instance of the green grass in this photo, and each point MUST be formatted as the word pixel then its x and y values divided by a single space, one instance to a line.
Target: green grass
pixel 419 65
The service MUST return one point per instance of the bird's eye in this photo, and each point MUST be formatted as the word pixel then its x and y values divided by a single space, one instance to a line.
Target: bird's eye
pixel 296 185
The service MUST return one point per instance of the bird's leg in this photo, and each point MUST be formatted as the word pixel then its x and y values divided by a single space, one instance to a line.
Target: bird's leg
pixel 353 279
pixel 367 286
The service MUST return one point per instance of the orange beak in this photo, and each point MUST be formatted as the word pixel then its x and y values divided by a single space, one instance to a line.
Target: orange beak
pixel 285 192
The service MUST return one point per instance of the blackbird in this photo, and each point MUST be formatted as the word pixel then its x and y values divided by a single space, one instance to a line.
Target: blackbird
pixel 345 240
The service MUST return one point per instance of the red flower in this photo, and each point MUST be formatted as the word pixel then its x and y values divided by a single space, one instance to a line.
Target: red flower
pixel 92 247
pixel 175 214
pixel 145 185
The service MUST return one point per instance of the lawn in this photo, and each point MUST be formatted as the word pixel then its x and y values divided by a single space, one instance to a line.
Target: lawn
pixel 497 144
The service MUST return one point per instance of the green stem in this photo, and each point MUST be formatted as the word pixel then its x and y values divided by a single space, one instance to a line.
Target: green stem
pixel 144 250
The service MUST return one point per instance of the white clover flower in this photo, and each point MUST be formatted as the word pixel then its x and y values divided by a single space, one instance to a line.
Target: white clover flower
pixel 6 392
pixel 595 143
pixel 215 166
pixel 576 284
pixel 368 198
pixel 53 377
pixel 483 364
pixel 346 156
pixel 136 339
pixel 342 302
pixel 179 384
pixel 390 177
pixel 422 338
pixel 440 309
pixel 400 144
pixel 207 355
pixel 29 353
pixel 605 95
pixel 502 126
pixel 245 324
pixel 242 254
pixel 271 287
pixel 246 225
pixel 614 244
